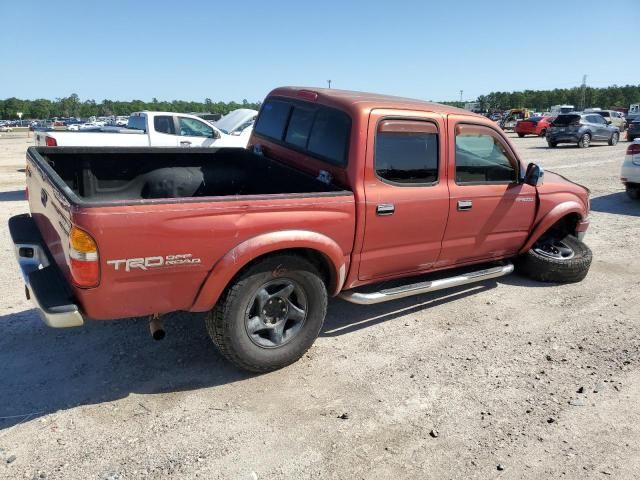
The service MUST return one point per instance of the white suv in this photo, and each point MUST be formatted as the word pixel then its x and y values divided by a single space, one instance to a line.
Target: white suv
pixel 630 174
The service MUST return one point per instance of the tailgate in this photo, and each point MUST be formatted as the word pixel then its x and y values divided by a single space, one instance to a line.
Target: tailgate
pixel 50 209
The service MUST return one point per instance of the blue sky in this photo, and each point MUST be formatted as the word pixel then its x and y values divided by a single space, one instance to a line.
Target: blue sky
pixel 234 50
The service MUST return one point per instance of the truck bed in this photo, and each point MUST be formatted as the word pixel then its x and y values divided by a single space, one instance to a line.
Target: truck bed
pixel 97 176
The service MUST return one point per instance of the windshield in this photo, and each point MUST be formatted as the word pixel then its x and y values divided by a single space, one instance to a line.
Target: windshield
pixel 137 123
pixel 564 120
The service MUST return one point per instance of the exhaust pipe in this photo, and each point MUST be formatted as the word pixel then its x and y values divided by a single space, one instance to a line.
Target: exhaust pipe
pixel 155 327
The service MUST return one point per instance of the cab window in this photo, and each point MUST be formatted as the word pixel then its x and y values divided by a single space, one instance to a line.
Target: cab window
pixel 164 124
pixel 406 152
pixel 482 157
pixel 190 127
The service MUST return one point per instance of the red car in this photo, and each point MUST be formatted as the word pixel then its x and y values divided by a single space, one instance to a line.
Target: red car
pixel 533 126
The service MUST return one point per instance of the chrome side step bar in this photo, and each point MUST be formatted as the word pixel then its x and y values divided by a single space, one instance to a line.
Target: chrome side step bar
pixel 425 287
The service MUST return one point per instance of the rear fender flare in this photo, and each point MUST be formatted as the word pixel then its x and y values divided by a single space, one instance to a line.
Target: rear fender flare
pixel 554 215
pixel 241 255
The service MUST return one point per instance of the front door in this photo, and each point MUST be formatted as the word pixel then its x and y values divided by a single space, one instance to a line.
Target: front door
pixel 490 210
pixel 406 193
pixel 195 133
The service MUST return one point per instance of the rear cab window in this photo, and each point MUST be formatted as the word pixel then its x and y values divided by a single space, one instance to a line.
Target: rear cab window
pixel 164 124
pixel 316 130
pixel 137 122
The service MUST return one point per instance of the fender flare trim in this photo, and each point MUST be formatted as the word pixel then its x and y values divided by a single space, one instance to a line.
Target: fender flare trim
pixel 242 254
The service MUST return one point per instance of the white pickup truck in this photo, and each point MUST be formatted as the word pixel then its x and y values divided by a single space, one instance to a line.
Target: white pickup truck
pixel 147 129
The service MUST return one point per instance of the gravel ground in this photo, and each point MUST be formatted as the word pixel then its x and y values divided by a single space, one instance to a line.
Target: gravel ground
pixel 503 379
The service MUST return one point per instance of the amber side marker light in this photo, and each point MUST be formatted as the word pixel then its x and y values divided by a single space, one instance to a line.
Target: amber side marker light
pixel 83 258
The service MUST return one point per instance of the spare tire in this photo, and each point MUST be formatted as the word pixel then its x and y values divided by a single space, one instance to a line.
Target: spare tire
pixel 558 260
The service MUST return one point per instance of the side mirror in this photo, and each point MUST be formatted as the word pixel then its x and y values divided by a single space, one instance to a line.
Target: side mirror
pixel 214 134
pixel 608 121
pixel 534 175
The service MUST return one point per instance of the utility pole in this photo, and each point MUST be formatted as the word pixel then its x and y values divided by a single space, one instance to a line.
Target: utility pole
pixel 584 90
pixel 329 82
pixel 461 94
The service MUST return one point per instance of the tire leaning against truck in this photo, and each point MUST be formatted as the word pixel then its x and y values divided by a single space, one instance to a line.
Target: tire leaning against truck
pixel 270 315
pixel 557 260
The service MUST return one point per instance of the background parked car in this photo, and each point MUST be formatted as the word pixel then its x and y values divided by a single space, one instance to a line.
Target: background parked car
pixel 630 174
pixel 5 128
pixel 581 129
pixel 633 131
pixel 533 126
pixel 616 118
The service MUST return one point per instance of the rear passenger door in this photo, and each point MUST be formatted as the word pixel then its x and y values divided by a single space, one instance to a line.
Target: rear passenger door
pixel 164 134
pixel 490 210
pixel 406 194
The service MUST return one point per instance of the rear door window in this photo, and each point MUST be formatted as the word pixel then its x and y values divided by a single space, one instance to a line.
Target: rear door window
pixel 406 152
pixel 273 118
pixel 164 124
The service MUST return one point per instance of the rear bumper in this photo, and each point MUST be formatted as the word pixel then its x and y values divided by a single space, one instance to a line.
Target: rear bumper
pixel 44 283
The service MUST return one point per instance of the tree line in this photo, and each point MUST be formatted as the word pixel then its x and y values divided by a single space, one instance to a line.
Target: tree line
pixel 72 106
pixel 539 100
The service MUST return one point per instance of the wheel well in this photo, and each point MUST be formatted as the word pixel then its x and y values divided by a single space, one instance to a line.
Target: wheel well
pixel 565 226
pixel 316 258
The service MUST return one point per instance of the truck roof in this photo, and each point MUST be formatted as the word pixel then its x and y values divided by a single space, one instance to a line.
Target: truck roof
pixel 363 101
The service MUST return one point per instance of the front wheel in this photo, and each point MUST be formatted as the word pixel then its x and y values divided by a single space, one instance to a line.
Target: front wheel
pixel 271 315
pixel 558 260
pixel 614 139
pixel 585 141
pixel 521 135
pixel 552 144
pixel 633 192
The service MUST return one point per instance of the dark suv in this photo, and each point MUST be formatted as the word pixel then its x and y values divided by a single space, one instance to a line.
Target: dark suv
pixel 581 129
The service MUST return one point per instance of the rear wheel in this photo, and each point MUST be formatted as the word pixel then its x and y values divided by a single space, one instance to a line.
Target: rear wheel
pixel 615 136
pixel 552 144
pixel 633 192
pixel 521 135
pixel 271 315
pixel 555 259
pixel 543 133
pixel 585 141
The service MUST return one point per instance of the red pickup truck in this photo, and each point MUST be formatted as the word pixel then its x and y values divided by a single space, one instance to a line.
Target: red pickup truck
pixel 337 190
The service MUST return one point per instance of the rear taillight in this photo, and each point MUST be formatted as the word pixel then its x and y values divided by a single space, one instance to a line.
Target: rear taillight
pixel 83 258
pixel 50 142
pixel 633 149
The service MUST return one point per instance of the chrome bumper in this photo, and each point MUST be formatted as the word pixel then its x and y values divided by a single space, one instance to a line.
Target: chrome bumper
pixel 45 285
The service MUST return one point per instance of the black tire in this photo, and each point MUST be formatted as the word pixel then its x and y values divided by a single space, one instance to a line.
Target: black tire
pixel 615 136
pixel 633 192
pixel 552 144
pixel 630 139
pixel 585 141
pixel 546 268
pixel 543 133
pixel 227 321
pixel 521 135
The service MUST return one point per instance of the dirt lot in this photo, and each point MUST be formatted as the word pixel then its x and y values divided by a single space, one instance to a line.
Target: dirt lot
pixel 495 369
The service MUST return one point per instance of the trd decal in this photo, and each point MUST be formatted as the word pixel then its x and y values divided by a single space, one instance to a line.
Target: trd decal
pixel 145 263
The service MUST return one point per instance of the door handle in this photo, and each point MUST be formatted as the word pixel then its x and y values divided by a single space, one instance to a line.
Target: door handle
pixel 464 205
pixel 185 143
pixel 385 209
